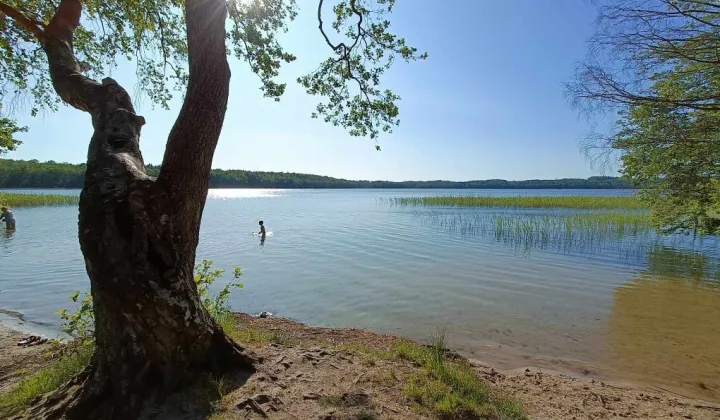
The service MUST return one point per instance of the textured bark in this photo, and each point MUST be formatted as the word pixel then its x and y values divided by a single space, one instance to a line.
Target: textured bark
pixel 139 235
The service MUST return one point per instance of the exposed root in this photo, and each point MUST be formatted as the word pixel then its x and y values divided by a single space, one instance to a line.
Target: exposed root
pixel 83 390
pixel 95 394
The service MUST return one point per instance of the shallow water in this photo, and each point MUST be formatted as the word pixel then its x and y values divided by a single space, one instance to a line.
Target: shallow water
pixel 642 308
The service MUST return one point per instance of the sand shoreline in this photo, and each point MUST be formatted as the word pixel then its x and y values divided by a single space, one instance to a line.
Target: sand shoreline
pixel 545 393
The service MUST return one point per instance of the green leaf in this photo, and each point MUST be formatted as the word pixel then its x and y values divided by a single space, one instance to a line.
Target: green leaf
pixel 152 35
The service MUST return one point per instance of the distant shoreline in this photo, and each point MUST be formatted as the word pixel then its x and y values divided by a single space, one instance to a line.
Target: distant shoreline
pixel 52 175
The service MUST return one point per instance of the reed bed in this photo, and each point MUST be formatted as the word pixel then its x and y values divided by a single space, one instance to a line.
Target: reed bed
pixel 34 200
pixel 568 202
pixel 685 263
pixel 590 224
pixel 626 234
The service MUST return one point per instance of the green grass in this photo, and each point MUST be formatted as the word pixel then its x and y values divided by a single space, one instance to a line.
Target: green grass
pixel 244 334
pixel 568 202
pixel 34 200
pixel 45 380
pixel 451 389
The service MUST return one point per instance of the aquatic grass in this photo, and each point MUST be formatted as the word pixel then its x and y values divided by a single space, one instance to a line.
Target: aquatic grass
pixel 684 263
pixel 568 202
pixel 626 234
pixel 540 228
pixel 451 388
pixel 35 200
pixel 45 380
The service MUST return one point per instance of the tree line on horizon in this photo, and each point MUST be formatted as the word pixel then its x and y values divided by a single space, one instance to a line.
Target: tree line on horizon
pixel 35 174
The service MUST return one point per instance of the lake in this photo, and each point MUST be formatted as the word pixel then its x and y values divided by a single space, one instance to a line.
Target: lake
pixel 637 308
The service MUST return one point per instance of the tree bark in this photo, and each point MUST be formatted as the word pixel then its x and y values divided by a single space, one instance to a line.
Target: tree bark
pixel 138 235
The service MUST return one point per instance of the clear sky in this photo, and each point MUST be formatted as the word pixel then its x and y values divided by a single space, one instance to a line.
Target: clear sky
pixel 488 103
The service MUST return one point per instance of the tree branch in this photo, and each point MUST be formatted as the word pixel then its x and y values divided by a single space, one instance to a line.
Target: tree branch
pixel 66 19
pixel 30 25
pixel 185 171
pixel 73 87
pixel 343 50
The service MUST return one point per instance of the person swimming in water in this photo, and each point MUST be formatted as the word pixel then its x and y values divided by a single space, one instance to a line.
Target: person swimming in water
pixel 9 219
pixel 262 231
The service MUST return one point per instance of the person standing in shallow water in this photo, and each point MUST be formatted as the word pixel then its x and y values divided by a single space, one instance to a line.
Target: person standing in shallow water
pixel 262 231
pixel 9 219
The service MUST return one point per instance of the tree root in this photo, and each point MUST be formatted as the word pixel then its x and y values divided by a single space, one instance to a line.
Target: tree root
pixel 94 394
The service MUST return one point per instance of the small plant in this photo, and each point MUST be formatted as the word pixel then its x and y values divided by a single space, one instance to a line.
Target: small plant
pixel 205 276
pixel 80 324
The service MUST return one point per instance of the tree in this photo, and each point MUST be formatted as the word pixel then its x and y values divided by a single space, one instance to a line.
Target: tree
pixel 138 234
pixel 655 64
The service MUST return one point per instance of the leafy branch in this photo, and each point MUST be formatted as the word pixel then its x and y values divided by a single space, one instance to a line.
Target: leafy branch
pixel 370 51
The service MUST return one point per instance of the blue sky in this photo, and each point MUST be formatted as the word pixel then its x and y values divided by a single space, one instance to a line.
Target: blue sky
pixel 488 103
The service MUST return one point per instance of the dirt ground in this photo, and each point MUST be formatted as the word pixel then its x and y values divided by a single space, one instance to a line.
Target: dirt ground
pixel 322 373
pixel 15 360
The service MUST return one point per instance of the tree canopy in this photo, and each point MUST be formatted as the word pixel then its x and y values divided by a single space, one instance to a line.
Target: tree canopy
pixel 654 65
pixel 152 35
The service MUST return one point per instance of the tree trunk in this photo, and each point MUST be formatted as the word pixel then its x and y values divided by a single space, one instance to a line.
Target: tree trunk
pixel 152 335
pixel 139 235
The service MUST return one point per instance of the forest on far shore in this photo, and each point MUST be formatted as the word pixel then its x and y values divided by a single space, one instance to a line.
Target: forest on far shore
pixel 35 174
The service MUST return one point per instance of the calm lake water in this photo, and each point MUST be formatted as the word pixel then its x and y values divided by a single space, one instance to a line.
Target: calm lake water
pixel 632 308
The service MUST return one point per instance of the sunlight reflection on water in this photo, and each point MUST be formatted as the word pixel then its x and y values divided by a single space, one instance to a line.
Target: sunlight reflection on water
pixel 244 193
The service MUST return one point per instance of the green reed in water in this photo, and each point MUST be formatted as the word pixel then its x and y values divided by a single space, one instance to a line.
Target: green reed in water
pixel 33 200
pixel 687 264
pixel 596 224
pixel 570 202
pixel 573 232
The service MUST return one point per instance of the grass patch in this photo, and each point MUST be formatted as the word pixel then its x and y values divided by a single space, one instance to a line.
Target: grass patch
pixel 387 378
pixel 244 334
pixel 34 200
pixel 369 355
pixel 446 387
pixel 451 389
pixel 568 202
pixel 45 380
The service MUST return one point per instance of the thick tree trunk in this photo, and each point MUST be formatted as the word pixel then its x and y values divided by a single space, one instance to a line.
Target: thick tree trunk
pixel 152 333
pixel 139 235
